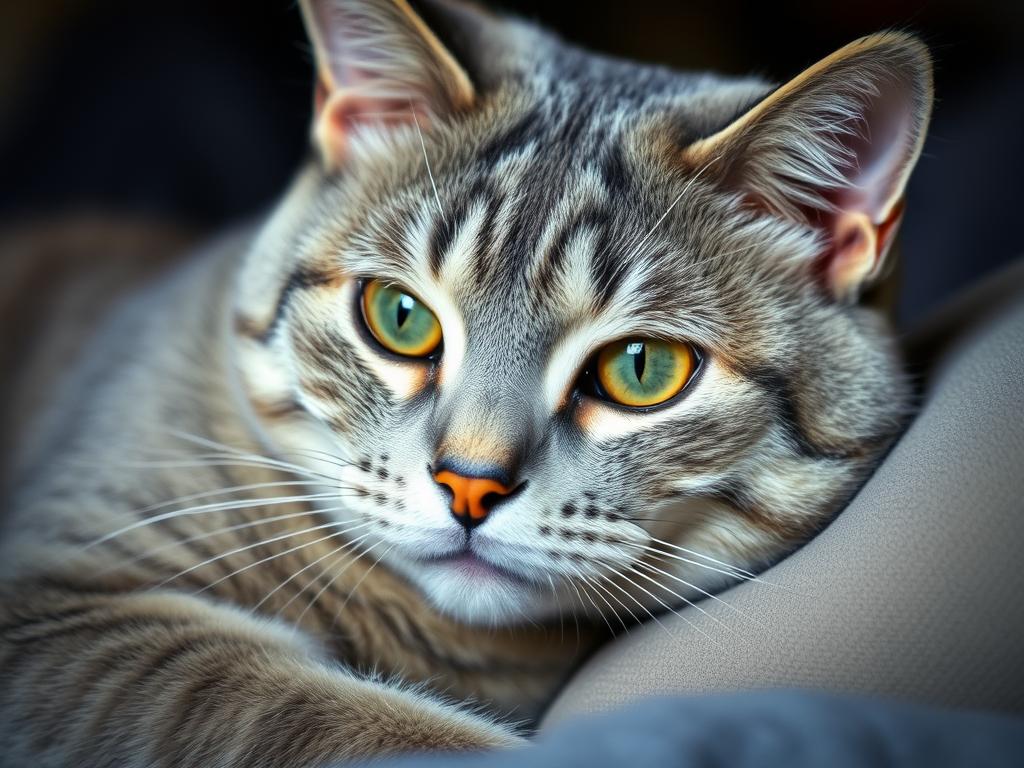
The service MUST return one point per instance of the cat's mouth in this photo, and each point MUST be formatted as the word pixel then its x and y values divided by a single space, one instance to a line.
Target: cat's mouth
pixel 469 565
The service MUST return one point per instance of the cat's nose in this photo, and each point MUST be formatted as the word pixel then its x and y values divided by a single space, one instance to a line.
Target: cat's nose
pixel 472 497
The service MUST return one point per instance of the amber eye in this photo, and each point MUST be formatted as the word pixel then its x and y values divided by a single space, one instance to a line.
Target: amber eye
pixel 399 321
pixel 644 372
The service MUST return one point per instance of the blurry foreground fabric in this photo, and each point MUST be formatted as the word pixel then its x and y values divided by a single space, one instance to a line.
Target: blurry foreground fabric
pixel 764 730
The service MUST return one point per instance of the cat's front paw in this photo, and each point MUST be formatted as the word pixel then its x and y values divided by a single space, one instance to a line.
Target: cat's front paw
pixel 424 730
pixel 457 732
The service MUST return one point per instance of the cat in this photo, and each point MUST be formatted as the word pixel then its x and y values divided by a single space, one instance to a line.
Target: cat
pixel 537 342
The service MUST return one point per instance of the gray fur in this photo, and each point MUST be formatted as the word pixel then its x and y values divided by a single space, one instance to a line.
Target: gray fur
pixel 563 209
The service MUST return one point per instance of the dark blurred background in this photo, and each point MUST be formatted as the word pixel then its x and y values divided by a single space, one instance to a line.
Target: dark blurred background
pixel 196 113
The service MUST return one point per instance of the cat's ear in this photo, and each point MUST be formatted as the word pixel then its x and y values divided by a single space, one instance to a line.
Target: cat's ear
pixel 377 63
pixel 834 147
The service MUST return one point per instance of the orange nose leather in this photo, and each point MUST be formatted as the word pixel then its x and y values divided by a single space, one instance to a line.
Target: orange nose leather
pixel 468 493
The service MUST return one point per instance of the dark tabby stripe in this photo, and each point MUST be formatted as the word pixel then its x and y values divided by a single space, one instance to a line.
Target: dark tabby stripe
pixel 301 279
pixel 526 130
pixel 775 383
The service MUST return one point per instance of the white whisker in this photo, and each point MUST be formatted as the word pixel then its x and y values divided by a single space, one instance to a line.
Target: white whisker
pixel 585 582
pixel 426 161
pixel 709 595
pixel 224 506
pixel 690 603
pixel 660 602
pixel 206 535
pixel 362 578
pixel 218 492
pixel 627 609
pixel 272 540
pixel 558 606
pixel 202 461
pixel 643 607
pixel 352 545
pixel 576 624
pixel 730 573
pixel 242 454
pixel 340 551
pixel 686 188
pixel 317 455
pixel 694 553
pixel 279 554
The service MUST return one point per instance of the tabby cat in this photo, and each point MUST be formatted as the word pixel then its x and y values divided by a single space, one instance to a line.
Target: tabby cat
pixel 536 337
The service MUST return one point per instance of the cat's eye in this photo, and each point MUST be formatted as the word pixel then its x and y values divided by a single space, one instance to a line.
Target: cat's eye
pixel 640 373
pixel 399 321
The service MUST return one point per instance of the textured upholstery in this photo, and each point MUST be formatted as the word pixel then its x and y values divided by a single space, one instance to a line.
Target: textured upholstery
pixel 915 591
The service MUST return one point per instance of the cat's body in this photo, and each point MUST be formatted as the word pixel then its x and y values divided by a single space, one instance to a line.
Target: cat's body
pixel 552 203
pixel 385 628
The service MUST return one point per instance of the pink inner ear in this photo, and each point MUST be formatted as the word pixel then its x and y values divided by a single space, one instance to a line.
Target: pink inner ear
pixel 879 152
pixel 348 110
pixel 869 208
pixel 341 113
pixel 853 254
pixel 858 248
pixel 376 66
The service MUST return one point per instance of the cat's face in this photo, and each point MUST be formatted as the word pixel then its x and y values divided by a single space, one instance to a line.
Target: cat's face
pixel 553 356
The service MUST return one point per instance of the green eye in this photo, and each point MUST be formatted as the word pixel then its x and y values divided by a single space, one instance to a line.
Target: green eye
pixel 644 372
pixel 399 321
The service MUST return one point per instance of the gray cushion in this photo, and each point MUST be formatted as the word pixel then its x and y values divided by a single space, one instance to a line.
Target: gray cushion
pixel 915 591
pixel 762 730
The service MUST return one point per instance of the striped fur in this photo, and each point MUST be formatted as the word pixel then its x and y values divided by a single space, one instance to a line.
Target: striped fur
pixel 226 547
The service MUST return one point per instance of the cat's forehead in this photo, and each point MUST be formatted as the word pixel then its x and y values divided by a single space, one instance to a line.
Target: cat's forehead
pixel 520 258
pixel 533 248
pixel 541 216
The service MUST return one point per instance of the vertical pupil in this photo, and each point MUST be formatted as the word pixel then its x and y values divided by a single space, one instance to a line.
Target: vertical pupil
pixel 639 354
pixel 405 305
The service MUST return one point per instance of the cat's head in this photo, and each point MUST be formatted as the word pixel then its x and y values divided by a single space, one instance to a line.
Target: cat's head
pixel 571 332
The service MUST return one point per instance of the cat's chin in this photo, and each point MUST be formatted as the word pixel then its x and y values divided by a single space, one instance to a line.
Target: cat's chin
pixel 471 589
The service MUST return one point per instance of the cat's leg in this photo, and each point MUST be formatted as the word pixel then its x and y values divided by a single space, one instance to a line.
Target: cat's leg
pixel 166 679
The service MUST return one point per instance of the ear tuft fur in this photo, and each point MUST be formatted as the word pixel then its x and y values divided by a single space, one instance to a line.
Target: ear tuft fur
pixel 377 63
pixel 835 146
